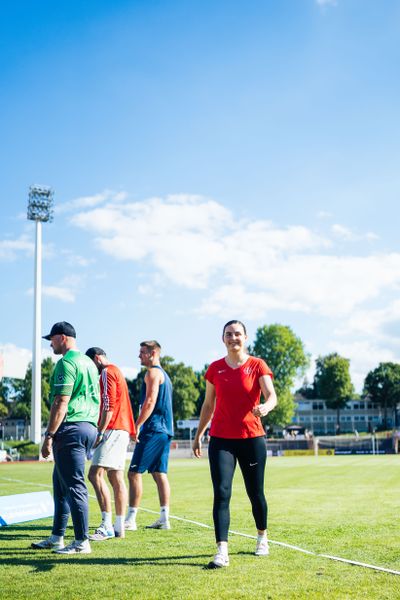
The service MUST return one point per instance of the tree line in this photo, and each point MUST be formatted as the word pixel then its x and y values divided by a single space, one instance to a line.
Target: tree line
pixel 276 344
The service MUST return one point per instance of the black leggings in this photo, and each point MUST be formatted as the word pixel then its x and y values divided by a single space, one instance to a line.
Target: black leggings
pixel 251 453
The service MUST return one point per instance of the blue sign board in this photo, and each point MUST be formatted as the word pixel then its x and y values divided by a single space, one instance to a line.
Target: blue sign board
pixel 25 507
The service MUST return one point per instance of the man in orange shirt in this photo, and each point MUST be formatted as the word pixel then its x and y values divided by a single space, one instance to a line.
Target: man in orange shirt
pixel 115 426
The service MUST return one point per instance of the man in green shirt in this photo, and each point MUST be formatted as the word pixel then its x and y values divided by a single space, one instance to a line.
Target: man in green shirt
pixel 70 435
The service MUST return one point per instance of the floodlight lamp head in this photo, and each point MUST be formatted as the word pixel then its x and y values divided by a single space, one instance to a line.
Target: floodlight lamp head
pixel 40 203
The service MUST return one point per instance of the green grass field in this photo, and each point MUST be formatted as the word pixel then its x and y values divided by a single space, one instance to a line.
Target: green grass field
pixel 343 506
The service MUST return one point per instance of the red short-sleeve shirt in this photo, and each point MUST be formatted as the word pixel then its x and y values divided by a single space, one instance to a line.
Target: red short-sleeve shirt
pixel 237 393
pixel 115 396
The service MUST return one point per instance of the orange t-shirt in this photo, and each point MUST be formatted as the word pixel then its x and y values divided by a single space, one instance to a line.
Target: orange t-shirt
pixel 115 397
pixel 237 393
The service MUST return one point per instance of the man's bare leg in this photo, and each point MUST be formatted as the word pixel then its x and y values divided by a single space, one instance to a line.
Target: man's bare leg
pixel 96 477
pixel 135 496
pixel 164 493
pixel 116 478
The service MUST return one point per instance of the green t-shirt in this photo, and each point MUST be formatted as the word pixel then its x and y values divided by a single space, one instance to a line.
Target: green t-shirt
pixel 76 375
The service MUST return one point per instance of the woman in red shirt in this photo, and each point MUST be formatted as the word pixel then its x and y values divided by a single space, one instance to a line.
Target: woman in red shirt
pixel 233 390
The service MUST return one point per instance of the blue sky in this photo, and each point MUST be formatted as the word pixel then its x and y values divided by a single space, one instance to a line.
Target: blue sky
pixel 210 160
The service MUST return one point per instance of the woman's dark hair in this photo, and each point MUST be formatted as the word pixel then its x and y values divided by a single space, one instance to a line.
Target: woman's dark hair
pixel 234 322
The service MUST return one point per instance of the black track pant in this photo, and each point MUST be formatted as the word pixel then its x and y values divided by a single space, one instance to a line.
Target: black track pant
pixel 223 454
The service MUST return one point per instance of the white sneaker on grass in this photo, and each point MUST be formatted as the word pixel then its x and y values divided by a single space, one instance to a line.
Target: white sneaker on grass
pixel 130 525
pixel 101 534
pixel 221 559
pixel 48 544
pixel 159 524
pixel 76 547
pixel 262 548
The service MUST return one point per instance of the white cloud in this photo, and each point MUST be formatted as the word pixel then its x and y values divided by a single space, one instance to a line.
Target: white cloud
pixel 84 202
pixel 9 249
pixel 129 372
pixel 58 292
pixel 15 360
pixel 252 267
pixel 378 323
pixel 364 356
pixel 180 235
pixel 76 260
pixel 323 214
pixel 346 234
pixel 65 290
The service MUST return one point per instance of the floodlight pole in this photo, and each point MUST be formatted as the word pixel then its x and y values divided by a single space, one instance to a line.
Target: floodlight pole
pixel 39 210
pixel 36 398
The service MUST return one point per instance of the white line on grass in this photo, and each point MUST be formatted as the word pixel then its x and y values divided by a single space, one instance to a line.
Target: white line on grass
pixel 246 535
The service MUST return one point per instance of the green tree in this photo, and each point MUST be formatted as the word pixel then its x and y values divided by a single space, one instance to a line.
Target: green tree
pixel 284 353
pixel 6 391
pixel 20 402
pixel 332 382
pixel 3 410
pixel 20 392
pixel 184 383
pixel 47 368
pixel 134 387
pixel 382 385
pixel 201 388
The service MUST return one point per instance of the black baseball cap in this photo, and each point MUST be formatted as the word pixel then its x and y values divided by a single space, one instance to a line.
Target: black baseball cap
pixel 61 328
pixel 95 351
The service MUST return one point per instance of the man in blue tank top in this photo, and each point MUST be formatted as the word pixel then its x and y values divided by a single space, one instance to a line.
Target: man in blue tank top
pixel 154 431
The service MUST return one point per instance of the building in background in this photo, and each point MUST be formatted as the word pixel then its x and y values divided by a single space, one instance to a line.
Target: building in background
pixel 359 415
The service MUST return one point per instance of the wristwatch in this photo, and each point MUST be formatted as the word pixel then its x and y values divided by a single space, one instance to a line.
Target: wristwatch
pixel 48 434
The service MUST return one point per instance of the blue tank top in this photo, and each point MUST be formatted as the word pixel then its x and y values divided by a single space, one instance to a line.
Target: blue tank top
pixel 161 419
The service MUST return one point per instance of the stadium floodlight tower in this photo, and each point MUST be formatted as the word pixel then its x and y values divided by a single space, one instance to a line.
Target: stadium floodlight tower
pixel 40 210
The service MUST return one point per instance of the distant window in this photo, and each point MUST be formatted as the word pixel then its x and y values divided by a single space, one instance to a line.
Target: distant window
pixel 362 405
pixel 356 406
pixel 356 418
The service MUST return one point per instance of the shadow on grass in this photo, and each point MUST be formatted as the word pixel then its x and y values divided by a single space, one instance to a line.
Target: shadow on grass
pixel 45 563
pixel 15 532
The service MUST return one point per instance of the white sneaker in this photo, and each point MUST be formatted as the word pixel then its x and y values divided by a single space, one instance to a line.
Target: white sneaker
pixel 159 524
pixel 130 525
pixel 101 534
pixel 262 548
pixel 221 559
pixel 48 544
pixel 76 547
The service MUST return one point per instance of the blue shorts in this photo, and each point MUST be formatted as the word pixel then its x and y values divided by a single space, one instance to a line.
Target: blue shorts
pixel 151 453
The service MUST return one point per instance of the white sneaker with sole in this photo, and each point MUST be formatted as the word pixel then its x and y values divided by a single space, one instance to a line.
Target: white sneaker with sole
pixel 221 559
pixel 48 544
pixel 130 525
pixel 76 547
pixel 159 524
pixel 262 548
pixel 102 534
